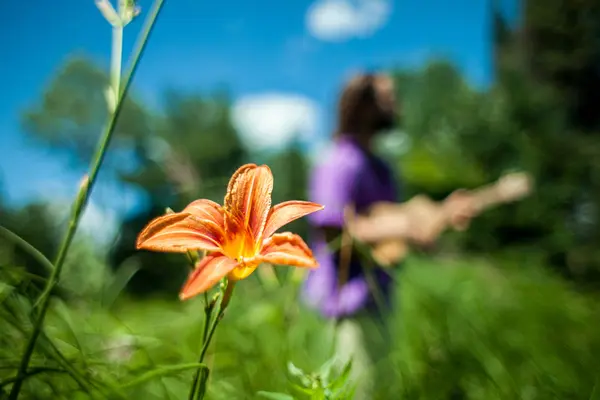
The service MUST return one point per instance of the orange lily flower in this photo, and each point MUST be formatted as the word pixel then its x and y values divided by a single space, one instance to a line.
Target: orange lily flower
pixel 239 235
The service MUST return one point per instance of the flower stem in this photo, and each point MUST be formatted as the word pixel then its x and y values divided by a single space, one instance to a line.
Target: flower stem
pixel 198 388
pixel 82 197
pixel 208 309
pixel 209 306
pixel 116 60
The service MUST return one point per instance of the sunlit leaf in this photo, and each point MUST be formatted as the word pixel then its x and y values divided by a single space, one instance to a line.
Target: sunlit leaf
pixel 162 371
pixel 295 371
pixel 325 370
pixel 340 382
pixel 123 275
pixel 274 395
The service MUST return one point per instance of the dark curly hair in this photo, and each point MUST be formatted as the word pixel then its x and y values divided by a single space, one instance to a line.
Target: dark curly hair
pixel 366 105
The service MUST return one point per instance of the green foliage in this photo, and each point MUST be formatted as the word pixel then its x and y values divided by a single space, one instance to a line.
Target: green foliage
pixel 489 333
pixel 437 108
pixel 34 225
pixel 544 121
pixel 290 170
pixel 184 151
pixel 533 118
pixel 565 52
pixel 73 110
pixel 461 328
pixel 324 385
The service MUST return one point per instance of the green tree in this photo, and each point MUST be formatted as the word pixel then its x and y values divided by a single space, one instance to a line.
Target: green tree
pixel 535 117
pixel 34 224
pixel 181 151
pixel 548 78
pixel 290 169
pixel 72 110
pixel 563 49
pixel 437 107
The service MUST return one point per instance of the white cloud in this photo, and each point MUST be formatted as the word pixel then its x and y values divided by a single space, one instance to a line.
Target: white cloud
pixel 339 20
pixel 271 121
pixel 100 223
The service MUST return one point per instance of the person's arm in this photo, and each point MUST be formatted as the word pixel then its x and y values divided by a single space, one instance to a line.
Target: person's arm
pixel 419 224
pixel 369 229
pixel 419 221
pixel 376 228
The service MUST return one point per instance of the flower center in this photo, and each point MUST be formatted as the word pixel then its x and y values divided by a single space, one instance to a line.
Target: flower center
pixel 242 248
pixel 244 270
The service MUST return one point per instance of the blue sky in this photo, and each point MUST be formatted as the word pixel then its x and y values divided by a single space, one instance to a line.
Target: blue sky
pixel 274 56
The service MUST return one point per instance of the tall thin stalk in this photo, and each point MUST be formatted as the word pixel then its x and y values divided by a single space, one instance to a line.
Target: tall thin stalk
pixel 198 388
pixel 209 306
pixel 116 55
pixel 87 183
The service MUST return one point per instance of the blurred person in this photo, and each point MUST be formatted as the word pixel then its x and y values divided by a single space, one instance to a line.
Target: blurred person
pixel 349 180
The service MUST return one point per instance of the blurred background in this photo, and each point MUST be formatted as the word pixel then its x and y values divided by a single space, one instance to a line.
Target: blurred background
pixel 505 310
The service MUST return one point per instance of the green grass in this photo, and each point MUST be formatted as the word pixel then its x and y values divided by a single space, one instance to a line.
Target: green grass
pixel 462 329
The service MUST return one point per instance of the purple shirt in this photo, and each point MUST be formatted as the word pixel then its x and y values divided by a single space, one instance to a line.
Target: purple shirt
pixel 348 175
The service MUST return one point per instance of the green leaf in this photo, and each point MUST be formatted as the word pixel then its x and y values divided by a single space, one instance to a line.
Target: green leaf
pixel 274 395
pixel 5 291
pixel 325 370
pixel 124 274
pixel 17 274
pixel 27 247
pixel 341 380
pixel 295 371
pixel 318 394
pixel 302 390
pixel 70 325
pixel 299 374
pixel 160 372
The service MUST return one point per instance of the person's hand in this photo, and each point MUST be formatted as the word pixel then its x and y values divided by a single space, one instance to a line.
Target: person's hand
pixel 460 208
pixel 426 220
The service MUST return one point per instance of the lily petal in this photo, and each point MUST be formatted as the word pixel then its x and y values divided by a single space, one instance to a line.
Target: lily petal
pixel 283 213
pixel 206 209
pixel 248 199
pixel 178 233
pixel 210 270
pixel 287 249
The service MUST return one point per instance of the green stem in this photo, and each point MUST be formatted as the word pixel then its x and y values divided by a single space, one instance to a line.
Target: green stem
pixel 209 305
pixel 116 61
pixel 32 372
pixel 81 200
pixel 208 309
pixel 198 388
pixel 222 307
